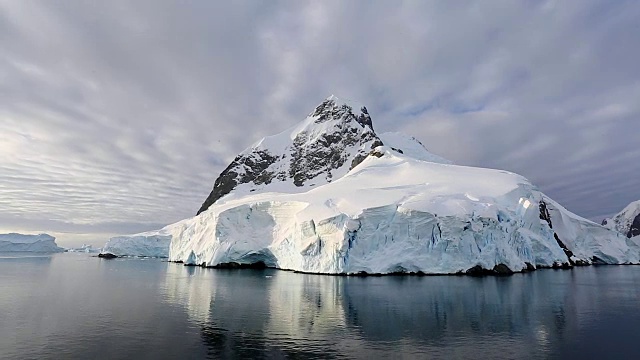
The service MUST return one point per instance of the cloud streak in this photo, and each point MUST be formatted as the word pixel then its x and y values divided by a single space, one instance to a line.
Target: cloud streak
pixel 117 116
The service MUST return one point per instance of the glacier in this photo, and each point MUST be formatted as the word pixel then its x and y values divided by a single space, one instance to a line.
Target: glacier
pixel 397 214
pixel 42 243
pixel 331 196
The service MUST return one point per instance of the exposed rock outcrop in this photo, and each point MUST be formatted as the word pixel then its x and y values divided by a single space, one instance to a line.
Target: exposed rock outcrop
pixel 335 138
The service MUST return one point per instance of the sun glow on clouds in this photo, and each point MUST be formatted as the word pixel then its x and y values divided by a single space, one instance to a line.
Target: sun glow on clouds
pixel 116 117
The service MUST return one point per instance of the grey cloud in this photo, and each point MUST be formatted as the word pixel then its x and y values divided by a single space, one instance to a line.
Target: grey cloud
pixel 119 113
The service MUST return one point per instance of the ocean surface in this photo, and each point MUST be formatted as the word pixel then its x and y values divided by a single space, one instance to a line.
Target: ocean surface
pixel 75 306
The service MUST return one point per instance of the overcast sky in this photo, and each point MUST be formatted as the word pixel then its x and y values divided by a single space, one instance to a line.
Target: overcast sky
pixel 117 116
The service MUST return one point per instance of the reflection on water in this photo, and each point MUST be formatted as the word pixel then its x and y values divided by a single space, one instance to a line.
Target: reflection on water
pixel 269 313
pixel 192 287
pixel 73 306
pixel 76 306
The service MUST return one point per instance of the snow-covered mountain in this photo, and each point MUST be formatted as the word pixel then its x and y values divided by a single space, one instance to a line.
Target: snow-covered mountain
pixel 14 242
pixel 627 221
pixel 332 196
pixel 330 142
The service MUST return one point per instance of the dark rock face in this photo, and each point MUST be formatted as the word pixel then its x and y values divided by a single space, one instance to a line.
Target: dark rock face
pixel 254 169
pixel 349 140
pixel 476 271
pixel 235 265
pixel 499 269
pixel 544 215
pixel 502 269
pixel 634 230
pixel 581 262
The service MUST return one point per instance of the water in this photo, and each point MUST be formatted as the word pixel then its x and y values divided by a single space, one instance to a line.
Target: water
pixel 73 306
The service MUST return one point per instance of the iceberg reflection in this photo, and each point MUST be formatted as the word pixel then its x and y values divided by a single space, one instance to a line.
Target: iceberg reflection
pixel 270 313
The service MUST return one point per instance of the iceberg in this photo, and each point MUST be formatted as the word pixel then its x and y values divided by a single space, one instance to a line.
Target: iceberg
pixel 147 244
pixel 42 243
pixel 331 196
pixel 85 248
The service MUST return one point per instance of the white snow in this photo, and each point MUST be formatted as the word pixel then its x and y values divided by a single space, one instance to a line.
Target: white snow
pixel 410 147
pixel 14 242
pixel 622 221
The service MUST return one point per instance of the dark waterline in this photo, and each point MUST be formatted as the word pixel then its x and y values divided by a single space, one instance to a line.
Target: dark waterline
pixel 73 306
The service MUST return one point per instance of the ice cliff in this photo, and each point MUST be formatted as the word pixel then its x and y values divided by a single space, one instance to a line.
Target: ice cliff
pixel 43 243
pixel 331 196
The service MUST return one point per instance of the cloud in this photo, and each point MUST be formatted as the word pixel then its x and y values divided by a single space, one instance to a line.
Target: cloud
pixel 117 116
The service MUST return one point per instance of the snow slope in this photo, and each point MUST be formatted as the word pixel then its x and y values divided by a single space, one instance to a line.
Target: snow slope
pixel 398 208
pixel 627 221
pixel 590 241
pixel 410 146
pixel 13 242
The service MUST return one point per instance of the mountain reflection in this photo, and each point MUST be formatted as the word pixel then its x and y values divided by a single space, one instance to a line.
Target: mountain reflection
pixel 278 314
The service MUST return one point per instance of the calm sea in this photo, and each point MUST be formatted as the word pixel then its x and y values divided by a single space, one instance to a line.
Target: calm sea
pixel 74 306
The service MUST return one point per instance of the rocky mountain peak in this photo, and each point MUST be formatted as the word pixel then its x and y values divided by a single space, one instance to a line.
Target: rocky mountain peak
pixel 332 140
pixel 334 108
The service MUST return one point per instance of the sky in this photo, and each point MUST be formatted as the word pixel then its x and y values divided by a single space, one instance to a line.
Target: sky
pixel 117 116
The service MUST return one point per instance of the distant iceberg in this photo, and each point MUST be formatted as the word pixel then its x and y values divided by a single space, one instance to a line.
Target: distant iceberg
pixel 42 243
pixel 155 244
pixel 85 248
